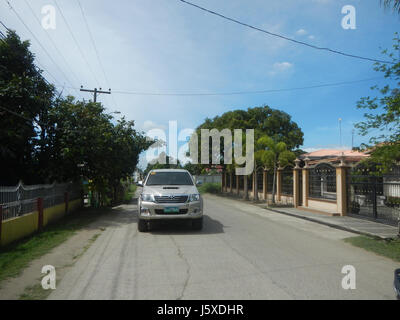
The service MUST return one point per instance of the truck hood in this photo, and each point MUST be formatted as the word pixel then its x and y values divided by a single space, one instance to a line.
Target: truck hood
pixel 167 190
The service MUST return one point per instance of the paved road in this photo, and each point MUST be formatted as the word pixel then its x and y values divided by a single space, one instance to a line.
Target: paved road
pixel 244 252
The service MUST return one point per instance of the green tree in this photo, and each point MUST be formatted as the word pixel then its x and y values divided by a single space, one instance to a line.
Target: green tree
pixel 383 112
pixel 84 134
pixel 272 155
pixel 265 121
pixel 391 4
pixel 25 98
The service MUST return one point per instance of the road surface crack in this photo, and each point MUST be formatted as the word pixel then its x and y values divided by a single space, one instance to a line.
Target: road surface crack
pixel 181 256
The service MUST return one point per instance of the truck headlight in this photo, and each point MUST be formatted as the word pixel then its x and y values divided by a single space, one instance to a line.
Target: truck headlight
pixel 194 197
pixel 147 197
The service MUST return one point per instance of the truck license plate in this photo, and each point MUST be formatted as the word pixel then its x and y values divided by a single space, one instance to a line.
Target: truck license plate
pixel 171 210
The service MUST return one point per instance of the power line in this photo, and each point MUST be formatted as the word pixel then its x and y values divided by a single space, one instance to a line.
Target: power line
pixel 38 41
pixel 284 37
pixel 76 43
pixel 54 45
pixel 245 92
pixel 52 42
pixel 95 48
pixel 40 66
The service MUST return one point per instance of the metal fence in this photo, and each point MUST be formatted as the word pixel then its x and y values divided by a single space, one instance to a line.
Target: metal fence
pixel 287 181
pixel 215 178
pixel 21 199
pixel 322 184
pixel 374 195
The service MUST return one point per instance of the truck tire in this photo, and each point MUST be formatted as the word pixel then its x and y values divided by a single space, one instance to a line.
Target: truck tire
pixel 142 225
pixel 197 224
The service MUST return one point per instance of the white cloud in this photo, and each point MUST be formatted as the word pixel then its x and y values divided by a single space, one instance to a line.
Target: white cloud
pixel 148 125
pixel 311 37
pixel 280 67
pixel 301 32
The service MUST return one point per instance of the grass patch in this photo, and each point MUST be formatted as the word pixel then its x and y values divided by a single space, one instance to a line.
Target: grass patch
pixel 386 248
pixel 35 292
pixel 209 187
pixel 130 193
pixel 17 256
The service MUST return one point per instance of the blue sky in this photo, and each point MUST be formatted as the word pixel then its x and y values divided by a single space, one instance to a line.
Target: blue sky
pixel 166 46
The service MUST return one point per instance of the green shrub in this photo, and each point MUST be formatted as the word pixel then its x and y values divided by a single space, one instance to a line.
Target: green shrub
pixel 210 188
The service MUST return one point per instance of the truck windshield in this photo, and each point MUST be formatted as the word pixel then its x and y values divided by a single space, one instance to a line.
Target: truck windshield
pixel 169 178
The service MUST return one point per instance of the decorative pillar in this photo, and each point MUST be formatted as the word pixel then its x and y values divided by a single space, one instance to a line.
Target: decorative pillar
pixel 341 186
pixel 305 173
pixel 1 221
pixel 254 184
pixel 40 213
pixel 279 184
pixel 296 187
pixel 245 188
pixel 237 185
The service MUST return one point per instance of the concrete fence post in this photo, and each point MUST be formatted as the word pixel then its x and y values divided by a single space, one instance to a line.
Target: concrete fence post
pixel 279 184
pixel 230 182
pixel 305 173
pixel 254 176
pixel 341 189
pixel 237 185
pixel 40 213
pixel 296 187
pixel 223 182
pixel 1 221
pixel 245 187
pixel 66 201
pixel 265 185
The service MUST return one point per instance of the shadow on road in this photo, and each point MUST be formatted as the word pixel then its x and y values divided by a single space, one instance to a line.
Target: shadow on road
pixel 175 227
pixel 127 214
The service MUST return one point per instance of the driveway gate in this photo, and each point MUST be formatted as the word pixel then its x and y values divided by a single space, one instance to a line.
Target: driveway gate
pixel 374 195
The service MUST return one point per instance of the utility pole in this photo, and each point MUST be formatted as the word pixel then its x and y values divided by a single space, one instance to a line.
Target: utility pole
pixel 352 139
pixel 96 92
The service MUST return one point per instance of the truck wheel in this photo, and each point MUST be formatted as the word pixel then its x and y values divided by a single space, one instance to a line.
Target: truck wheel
pixel 142 225
pixel 197 224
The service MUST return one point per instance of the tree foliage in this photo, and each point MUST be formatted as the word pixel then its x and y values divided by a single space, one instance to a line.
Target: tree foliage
pixel 391 4
pixel 383 112
pixel 272 155
pixel 265 121
pixel 45 138
pixel 25 98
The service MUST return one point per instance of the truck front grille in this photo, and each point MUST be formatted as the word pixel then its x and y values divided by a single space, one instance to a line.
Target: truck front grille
pixel 171 199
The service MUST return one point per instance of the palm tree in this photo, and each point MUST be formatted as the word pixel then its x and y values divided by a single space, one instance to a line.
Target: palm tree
pixel 273 154
pixel 391 4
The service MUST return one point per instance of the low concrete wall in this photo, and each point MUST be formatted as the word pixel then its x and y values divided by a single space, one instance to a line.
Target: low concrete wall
pixel 18 228
pixel 53 213
pixel 21 227
pixel 326 206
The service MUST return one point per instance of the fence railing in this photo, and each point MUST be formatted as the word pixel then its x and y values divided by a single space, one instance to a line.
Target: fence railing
pixel 336 188
pixel 22 199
